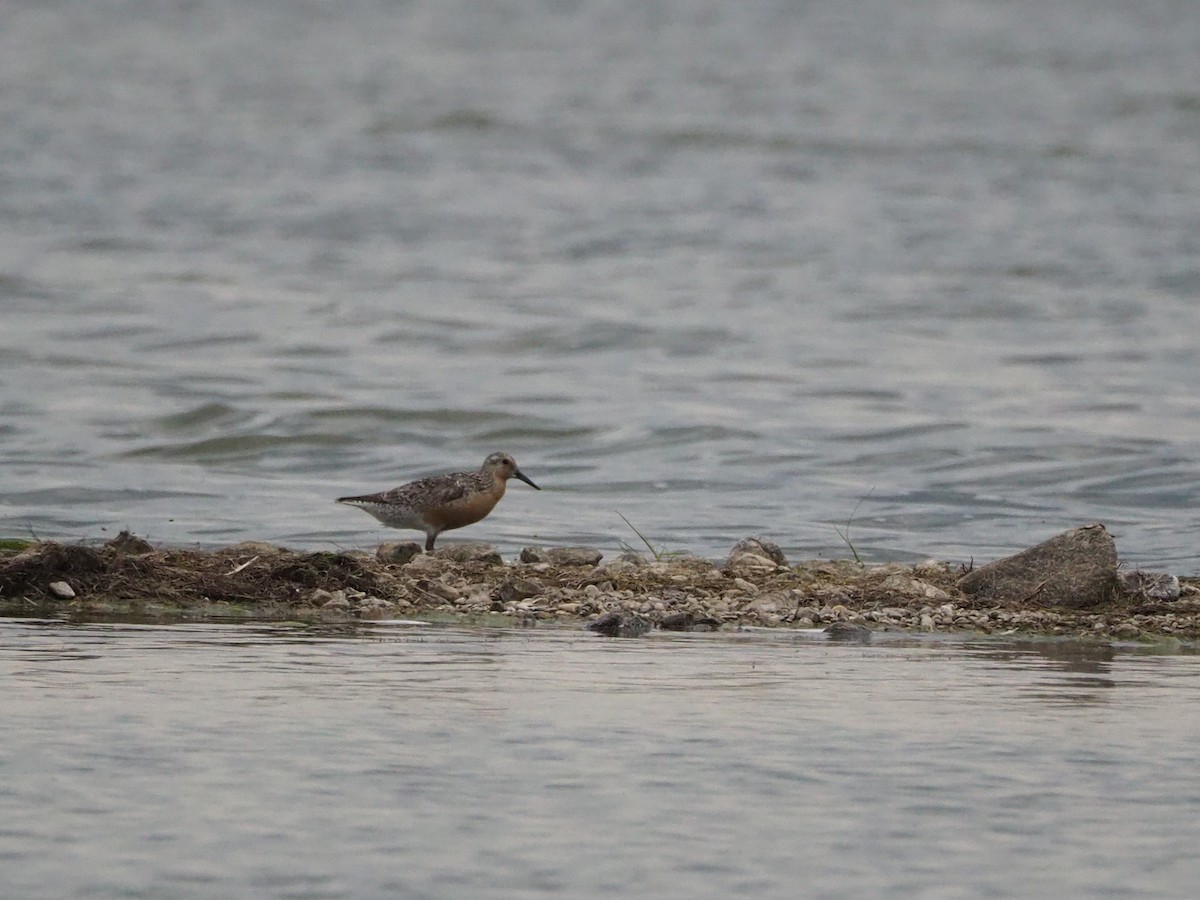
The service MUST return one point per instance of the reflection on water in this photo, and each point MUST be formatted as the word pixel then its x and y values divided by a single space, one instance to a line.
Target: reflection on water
pixel 1073 672
pixel 388 759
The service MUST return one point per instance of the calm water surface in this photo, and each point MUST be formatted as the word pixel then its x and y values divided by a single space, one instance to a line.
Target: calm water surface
pixel 722 267
pixel 725 268
pixel 394 760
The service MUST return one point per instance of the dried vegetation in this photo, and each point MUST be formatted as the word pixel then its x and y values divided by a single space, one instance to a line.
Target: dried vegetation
pixel 470 582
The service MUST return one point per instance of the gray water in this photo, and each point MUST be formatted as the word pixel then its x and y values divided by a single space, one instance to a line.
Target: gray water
pixel 725 268
pixel 409 761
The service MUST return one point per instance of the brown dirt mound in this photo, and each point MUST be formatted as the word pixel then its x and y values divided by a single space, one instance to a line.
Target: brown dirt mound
pixel 186 578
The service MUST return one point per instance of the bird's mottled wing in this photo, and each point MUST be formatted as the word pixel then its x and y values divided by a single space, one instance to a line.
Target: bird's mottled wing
pixel 436 491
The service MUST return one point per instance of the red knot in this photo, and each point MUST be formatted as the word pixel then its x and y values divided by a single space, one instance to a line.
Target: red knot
pixel 443 502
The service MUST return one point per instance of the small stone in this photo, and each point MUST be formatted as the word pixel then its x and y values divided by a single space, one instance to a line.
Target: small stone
pixel 374 608
pixel 1149 585
pixel 130 544
pixel 337 601
pixel 425 564
pixel 680 621
pixel 619 623
pixel 471 552
pixel 397 553
pixel 61 590
pixel 763 606
pixel 757 547
pixel 745 586
pixel 562 556
pixel 750 564
pixel 1164 587
pixel 513 589
pixel 930 568
pixel 440 589
pixel 931 592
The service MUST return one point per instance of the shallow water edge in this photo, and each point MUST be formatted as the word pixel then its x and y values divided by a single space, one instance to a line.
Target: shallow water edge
pixel 471 583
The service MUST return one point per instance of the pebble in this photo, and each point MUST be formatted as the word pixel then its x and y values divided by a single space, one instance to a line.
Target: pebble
pixel 441 589
pixel 337 601
pixel 512 589
pixel 397 552
pixel 1150 585
pixel 373 608
pixel 61 590
pixel 470 552
pixel 424 563
pixel 619 623
pixel 752 550
pixel 562 556
pixel 763 606
pixel 131 544
pixel 751 564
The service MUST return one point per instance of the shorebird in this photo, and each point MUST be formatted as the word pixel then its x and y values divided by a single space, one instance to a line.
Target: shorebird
pixel 443 502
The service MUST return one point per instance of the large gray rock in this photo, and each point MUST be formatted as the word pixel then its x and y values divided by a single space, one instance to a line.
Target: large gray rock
pixel 1076 569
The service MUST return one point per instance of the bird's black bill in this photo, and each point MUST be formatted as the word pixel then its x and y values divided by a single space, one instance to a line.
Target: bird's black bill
pixel 517 473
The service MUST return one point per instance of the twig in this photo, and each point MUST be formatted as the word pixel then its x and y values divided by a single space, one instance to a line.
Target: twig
pixel 1037 590
pixel 244 565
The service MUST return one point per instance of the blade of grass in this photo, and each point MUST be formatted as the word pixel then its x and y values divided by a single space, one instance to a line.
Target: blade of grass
pixel 845 535
pixel 649 546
